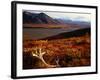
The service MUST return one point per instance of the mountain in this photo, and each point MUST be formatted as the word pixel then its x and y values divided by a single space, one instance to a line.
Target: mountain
pixel 64 21
pixel 74 23
pixel 74 33
pixel 27 17
pixel 38 18
pixel 82 23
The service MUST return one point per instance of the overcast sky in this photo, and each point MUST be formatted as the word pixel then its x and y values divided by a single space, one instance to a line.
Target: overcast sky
pixel 67 15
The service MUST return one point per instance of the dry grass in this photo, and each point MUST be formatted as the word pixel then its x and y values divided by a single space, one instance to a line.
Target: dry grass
pixel 69 52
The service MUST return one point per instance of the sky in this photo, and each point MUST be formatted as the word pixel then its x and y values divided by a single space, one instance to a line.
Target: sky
pixel 67 15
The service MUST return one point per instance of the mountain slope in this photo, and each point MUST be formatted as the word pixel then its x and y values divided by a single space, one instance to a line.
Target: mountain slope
pixel 74 33
pixel 38 18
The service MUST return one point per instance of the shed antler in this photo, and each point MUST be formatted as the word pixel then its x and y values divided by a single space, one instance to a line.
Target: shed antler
pixel 39 54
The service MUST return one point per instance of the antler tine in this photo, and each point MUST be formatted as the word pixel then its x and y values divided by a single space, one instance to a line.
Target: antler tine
pixel 39 54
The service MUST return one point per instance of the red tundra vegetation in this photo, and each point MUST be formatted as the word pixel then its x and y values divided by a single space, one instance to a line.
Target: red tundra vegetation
pixel 66 52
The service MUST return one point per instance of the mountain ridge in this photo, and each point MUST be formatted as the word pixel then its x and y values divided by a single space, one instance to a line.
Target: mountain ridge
pixel 73 33
pixel 42 18
pixel 39 18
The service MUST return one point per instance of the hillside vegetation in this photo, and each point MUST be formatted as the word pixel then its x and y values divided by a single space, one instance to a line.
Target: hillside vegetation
pixel 67 52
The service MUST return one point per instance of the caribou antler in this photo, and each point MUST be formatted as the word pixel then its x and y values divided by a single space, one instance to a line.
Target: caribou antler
pixel 39 54
pixel 57 62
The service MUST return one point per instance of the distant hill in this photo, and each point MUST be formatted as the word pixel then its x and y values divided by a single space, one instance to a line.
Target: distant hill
pixel 74 33
pixel 38 18
pixel 75 23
